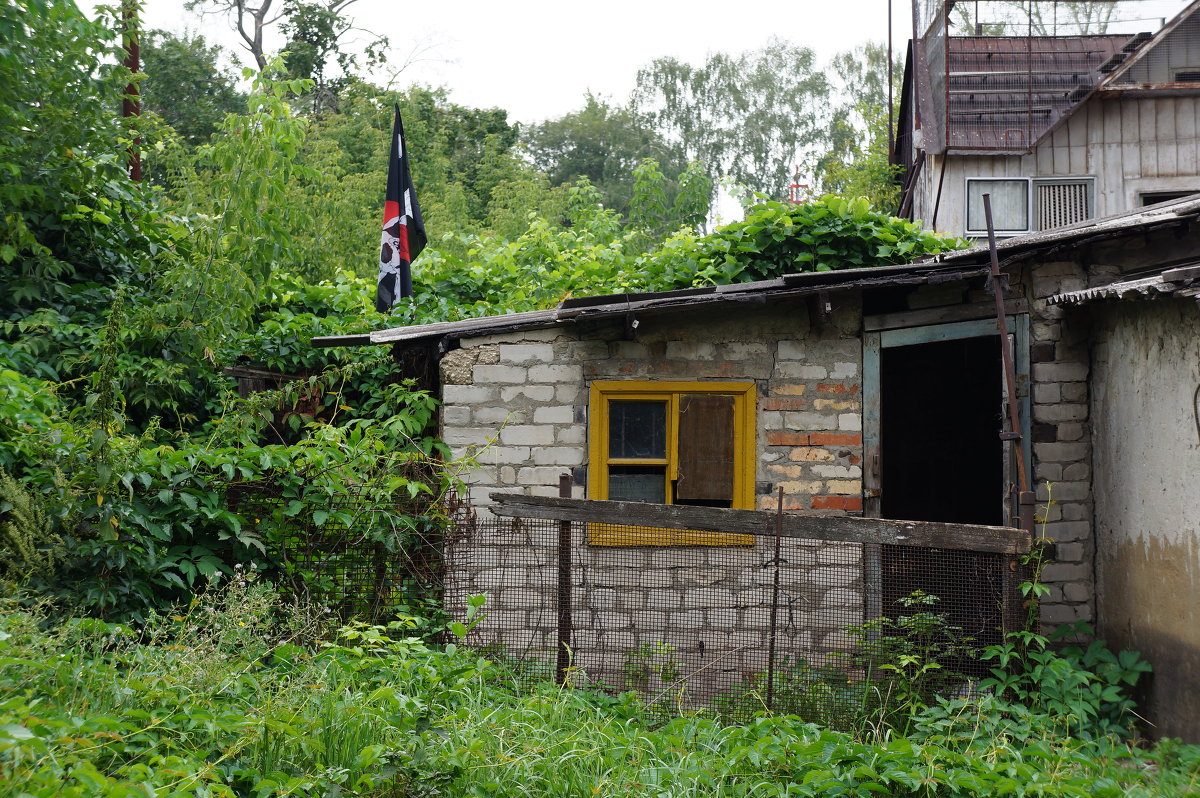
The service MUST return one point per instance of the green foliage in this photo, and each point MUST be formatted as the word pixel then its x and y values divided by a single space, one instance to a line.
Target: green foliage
pixel 71 219
pixel 227 696
pixel 146 523
pixel 856 160
pixel 240 180
pixel 605 144
pixel 909 659
pixel 27 546
pixel 187 84
pixel 820 694
pixel 651 661
pixel 825 234
pixel 316 34
pixel 1082 689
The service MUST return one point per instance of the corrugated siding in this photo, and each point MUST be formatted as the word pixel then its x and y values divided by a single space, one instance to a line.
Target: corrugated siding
pixel 1130 145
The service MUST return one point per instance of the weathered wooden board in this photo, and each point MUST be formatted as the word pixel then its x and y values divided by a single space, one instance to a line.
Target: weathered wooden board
pixel 942 315
pixel 835 529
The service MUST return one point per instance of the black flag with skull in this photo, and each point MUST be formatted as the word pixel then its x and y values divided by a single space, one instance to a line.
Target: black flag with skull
pixel 403 229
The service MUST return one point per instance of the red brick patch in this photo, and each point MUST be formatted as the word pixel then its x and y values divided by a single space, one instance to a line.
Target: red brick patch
pixel 787 438
pixel 837 387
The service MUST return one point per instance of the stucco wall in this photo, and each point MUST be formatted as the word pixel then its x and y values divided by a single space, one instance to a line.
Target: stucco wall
pixel 1146 438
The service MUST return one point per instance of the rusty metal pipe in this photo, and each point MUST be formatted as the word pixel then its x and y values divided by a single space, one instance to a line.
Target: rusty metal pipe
pixel 565 593
pixel 774 606
pixel 1025 496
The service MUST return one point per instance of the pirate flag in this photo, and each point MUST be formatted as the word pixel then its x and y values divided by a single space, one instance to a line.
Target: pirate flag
pixel 403 229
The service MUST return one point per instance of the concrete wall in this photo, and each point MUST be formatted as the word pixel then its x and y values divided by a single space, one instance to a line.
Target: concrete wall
pixel 1146 435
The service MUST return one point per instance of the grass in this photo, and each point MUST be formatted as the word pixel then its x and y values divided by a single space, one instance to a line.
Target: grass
pixel 231 698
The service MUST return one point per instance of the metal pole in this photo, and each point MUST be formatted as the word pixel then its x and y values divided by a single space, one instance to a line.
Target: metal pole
pixel 890 80
pixel 774 606
pixel 1025 497
pixel 564 587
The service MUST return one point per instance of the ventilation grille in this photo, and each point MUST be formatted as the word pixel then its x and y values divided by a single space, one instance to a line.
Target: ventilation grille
pixel 1061 204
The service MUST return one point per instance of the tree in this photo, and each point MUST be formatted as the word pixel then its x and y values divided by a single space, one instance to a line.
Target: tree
pixel 603 143
pixel 855 161
pixel 315 43
pixel 1039 17
pixel 187 85
pixel 748 117
pixel 70 214
pixel 317 32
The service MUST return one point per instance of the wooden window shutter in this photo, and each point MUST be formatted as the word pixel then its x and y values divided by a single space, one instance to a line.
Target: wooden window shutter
pixel 706 448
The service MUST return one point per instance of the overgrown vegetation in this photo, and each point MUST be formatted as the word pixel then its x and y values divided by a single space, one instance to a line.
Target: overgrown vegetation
pixel 226 696
pixel 147 511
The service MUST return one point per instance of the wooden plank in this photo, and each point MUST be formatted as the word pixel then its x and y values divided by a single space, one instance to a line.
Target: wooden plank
pixel 943 315
pixel 706 457
pixel 953 331
pixel 1131 131
pixel 1147 141
pixel 833 529
pixel 872 409
pixel 1181 273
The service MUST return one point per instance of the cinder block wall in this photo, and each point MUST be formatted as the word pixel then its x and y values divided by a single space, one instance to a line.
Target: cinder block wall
pixel 1062 448
pixel 517 405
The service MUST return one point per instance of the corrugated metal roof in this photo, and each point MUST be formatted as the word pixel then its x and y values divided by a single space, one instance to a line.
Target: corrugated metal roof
pixel 1180 281
pixel 615 305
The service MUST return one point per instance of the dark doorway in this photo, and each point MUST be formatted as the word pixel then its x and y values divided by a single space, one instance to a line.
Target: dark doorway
pixel 941 453
pixel 943 460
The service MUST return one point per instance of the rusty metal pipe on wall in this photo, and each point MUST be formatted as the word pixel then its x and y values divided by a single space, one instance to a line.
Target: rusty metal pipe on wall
pixel 1025 496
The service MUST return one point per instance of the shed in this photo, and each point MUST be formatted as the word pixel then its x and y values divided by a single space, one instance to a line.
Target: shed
pixel 873 392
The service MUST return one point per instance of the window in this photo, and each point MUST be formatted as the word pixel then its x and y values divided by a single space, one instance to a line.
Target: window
pixel 671 443
pixel 1010 206
pixel 1154 197
pixel 1022 205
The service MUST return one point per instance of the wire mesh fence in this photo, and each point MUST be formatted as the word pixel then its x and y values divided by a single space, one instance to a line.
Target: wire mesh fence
pixel 361 558
pixel 730 624
pixel 996 75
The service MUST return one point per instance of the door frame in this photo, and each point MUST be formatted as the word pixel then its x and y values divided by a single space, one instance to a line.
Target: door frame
pixel 874 343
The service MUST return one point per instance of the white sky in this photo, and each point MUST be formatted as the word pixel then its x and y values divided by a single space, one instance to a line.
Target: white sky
pixel 537 58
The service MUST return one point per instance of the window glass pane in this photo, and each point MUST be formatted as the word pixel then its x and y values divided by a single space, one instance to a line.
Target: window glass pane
pixel 1010 205
pixel 637 429
pixel 637 484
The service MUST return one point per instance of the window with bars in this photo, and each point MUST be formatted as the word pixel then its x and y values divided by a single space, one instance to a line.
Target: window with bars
pixel 1062 202
pixel 1023 205
pixel 671 443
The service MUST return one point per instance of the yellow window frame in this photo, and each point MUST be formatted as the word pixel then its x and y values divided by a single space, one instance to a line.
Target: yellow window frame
pixel 603 392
